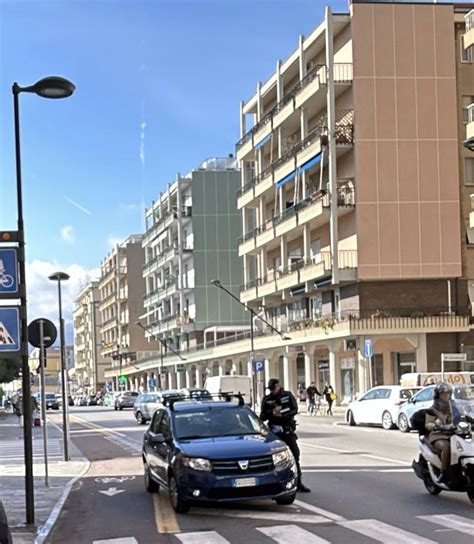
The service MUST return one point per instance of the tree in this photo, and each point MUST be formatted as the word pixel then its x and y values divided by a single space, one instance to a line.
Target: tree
pixel 9 370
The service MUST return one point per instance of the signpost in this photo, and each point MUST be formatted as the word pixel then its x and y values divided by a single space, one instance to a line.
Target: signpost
pixel 369 352
pixel 10 331
pixel 451 357
pixel 258 366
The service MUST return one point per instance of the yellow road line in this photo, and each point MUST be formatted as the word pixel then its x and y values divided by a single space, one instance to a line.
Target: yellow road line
pixel 165 516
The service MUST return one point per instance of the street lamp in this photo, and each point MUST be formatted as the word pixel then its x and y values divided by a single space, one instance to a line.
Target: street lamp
pixel 253 314
pixel 59 277
pixel 49 87
pixel 163 344
pixel 469 143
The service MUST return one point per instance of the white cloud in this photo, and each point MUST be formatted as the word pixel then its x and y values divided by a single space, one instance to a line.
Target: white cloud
pixel 112 241
pixel 67 234
pixel 42 293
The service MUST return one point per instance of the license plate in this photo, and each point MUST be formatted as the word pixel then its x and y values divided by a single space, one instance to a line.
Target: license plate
pixel 245 482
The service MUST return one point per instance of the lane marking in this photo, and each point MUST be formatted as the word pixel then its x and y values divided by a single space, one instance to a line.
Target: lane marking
pixel 367 455
pixel 320 511
pixel 289 534
pixel 267 515
pixel 452 521
pixel 383 532
pixel 165 516
pixel 126 540
pixel 397 470
pixel 202 537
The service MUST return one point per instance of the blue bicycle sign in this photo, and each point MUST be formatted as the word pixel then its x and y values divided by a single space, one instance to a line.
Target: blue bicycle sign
pixel 8 273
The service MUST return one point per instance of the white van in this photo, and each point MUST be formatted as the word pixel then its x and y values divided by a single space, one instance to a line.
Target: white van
pixel 422 379
pixel 231 384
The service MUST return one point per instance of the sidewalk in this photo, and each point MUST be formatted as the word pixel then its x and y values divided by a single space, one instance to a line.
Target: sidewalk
pixel 48 500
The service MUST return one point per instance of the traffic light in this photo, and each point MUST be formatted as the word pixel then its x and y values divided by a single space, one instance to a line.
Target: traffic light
pixel 9 236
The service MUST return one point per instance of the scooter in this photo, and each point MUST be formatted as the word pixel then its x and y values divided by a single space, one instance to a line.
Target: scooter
pixel 460 474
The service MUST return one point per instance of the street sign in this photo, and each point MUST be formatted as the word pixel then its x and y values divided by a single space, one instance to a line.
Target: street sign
pixel 368 347
pixel 8 273
pixel 49 333
pixel 454 357
pixel 258 366
pixel 122 379
pixel 151 382
pixel 179 368
pixel 9 330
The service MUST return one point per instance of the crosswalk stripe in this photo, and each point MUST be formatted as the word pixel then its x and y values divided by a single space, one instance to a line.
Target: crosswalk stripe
pixel 383 532
pixel 290 517
pixel 320 511
pixel 289 534
pixel 207 537
pixel 127 540
pixel 452 521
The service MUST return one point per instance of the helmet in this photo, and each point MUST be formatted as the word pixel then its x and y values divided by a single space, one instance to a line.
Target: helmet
pixel 272 382
pixel 442 388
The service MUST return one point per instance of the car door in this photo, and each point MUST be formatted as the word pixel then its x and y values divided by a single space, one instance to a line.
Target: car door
pixel 162 451
pixel 420 401
pixel 380 403
pixel 362 407
pixel 150 450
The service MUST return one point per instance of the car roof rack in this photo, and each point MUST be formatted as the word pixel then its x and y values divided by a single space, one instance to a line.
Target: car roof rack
pixel 222 396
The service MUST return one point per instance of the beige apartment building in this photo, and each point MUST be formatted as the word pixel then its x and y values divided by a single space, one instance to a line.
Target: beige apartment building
pixel 121 291
pixel 89 363
pixel 52 371
pixel 355 200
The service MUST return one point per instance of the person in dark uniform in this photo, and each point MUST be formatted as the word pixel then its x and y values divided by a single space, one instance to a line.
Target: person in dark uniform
pixel 279 409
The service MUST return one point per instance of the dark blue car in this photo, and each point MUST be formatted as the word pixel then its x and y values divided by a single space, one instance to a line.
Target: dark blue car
pixel 215 451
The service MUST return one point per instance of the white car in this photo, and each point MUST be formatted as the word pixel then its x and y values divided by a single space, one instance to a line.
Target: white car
pixel 379 406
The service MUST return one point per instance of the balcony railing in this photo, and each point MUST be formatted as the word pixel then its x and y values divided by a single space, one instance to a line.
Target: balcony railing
pixel 469 18
pixel 344 134
pixel 342 74
pixel 470 113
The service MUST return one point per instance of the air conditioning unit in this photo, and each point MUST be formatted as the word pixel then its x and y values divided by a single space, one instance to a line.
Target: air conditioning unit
pixel 350 344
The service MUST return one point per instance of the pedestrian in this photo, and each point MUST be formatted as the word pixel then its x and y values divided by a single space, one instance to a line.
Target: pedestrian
pixel 312 392
pixel 18 407
pixel 279 409
pixel 330 395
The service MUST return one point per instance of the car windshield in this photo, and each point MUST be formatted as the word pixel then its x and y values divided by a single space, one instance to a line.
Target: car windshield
pixel 407 393
pixel 464 393
pixel 212 423
pixel 50 396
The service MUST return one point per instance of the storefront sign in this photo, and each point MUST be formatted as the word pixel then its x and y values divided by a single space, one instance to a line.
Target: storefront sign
pixel 347 363
pixel 323 365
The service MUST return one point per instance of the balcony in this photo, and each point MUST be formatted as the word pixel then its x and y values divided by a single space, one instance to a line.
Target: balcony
pixel 302 152
pixel 162 224
pixel 468 37
pixel 300 272
pixel 313 84
pixel 313 209
pixel 164 324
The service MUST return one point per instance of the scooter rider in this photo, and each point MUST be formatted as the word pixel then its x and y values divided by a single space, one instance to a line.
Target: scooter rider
pixel 440 419
pixel 279 409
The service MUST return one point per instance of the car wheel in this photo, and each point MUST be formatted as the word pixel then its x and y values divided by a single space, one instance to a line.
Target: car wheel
pixel 120 407
pixel 115 407
pixel 350 419
pixel 387 421
pixel 431 487
pixel 180 506
pixel 150 485
pixel 403 423
pixel 140 418
pixel 284 501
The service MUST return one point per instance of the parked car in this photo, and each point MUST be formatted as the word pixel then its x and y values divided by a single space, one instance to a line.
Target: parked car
pixel 215 451
pixel 91 400
pixel 196 393
pixel 463 396
pixel 125 399
pixel 379 406
pixel 147 403
pixel 109 398
pixel 51 400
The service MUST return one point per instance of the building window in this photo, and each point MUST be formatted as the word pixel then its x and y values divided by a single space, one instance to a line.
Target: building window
pixel 466 54
pixel 469 236
pixel 316 306
pixel 468 171
pixel 297 311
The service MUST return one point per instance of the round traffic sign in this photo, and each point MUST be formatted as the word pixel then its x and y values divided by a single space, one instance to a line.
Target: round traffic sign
pixel 50 333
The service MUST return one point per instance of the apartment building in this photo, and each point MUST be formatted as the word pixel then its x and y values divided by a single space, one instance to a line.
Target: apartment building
pixel 89 363
pixel 52 371
pixel 121 291
pixel 355 200
pixel 191 238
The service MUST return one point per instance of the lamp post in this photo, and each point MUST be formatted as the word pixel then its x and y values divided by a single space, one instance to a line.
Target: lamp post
pixel 59 277
pixel 253 314
pixel 49 87
pixel 163 345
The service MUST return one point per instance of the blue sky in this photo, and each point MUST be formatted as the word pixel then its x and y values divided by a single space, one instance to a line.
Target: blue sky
pixel 179 66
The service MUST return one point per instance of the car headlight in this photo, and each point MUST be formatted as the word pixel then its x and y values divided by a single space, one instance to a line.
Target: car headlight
pixel 197 463
pixel 281 459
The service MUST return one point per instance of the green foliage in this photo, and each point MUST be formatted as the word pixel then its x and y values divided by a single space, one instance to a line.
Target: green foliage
pixel 9 370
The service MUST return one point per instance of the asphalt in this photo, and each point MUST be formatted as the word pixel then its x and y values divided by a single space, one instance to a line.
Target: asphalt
pixel 363 490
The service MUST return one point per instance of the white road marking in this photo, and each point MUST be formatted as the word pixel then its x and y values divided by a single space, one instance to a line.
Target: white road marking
pixel 290 517
pixel 289 534
pixel 320 511
pixel 202 537
pixel 452 521
pixel 126 540
pixel 401 469
pixel 367 455
pixel 383 532
pixel 111 491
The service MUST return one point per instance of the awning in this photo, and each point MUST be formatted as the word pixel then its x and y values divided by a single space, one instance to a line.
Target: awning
pixel 298 290
pixel 323 282
pixel 263 142
pixel 286 178
pixel 308 164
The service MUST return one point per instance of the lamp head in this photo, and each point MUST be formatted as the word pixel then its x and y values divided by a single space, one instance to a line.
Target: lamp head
pixel 217 283
pixel 469 143
pixel 48 87
pixel 59 276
